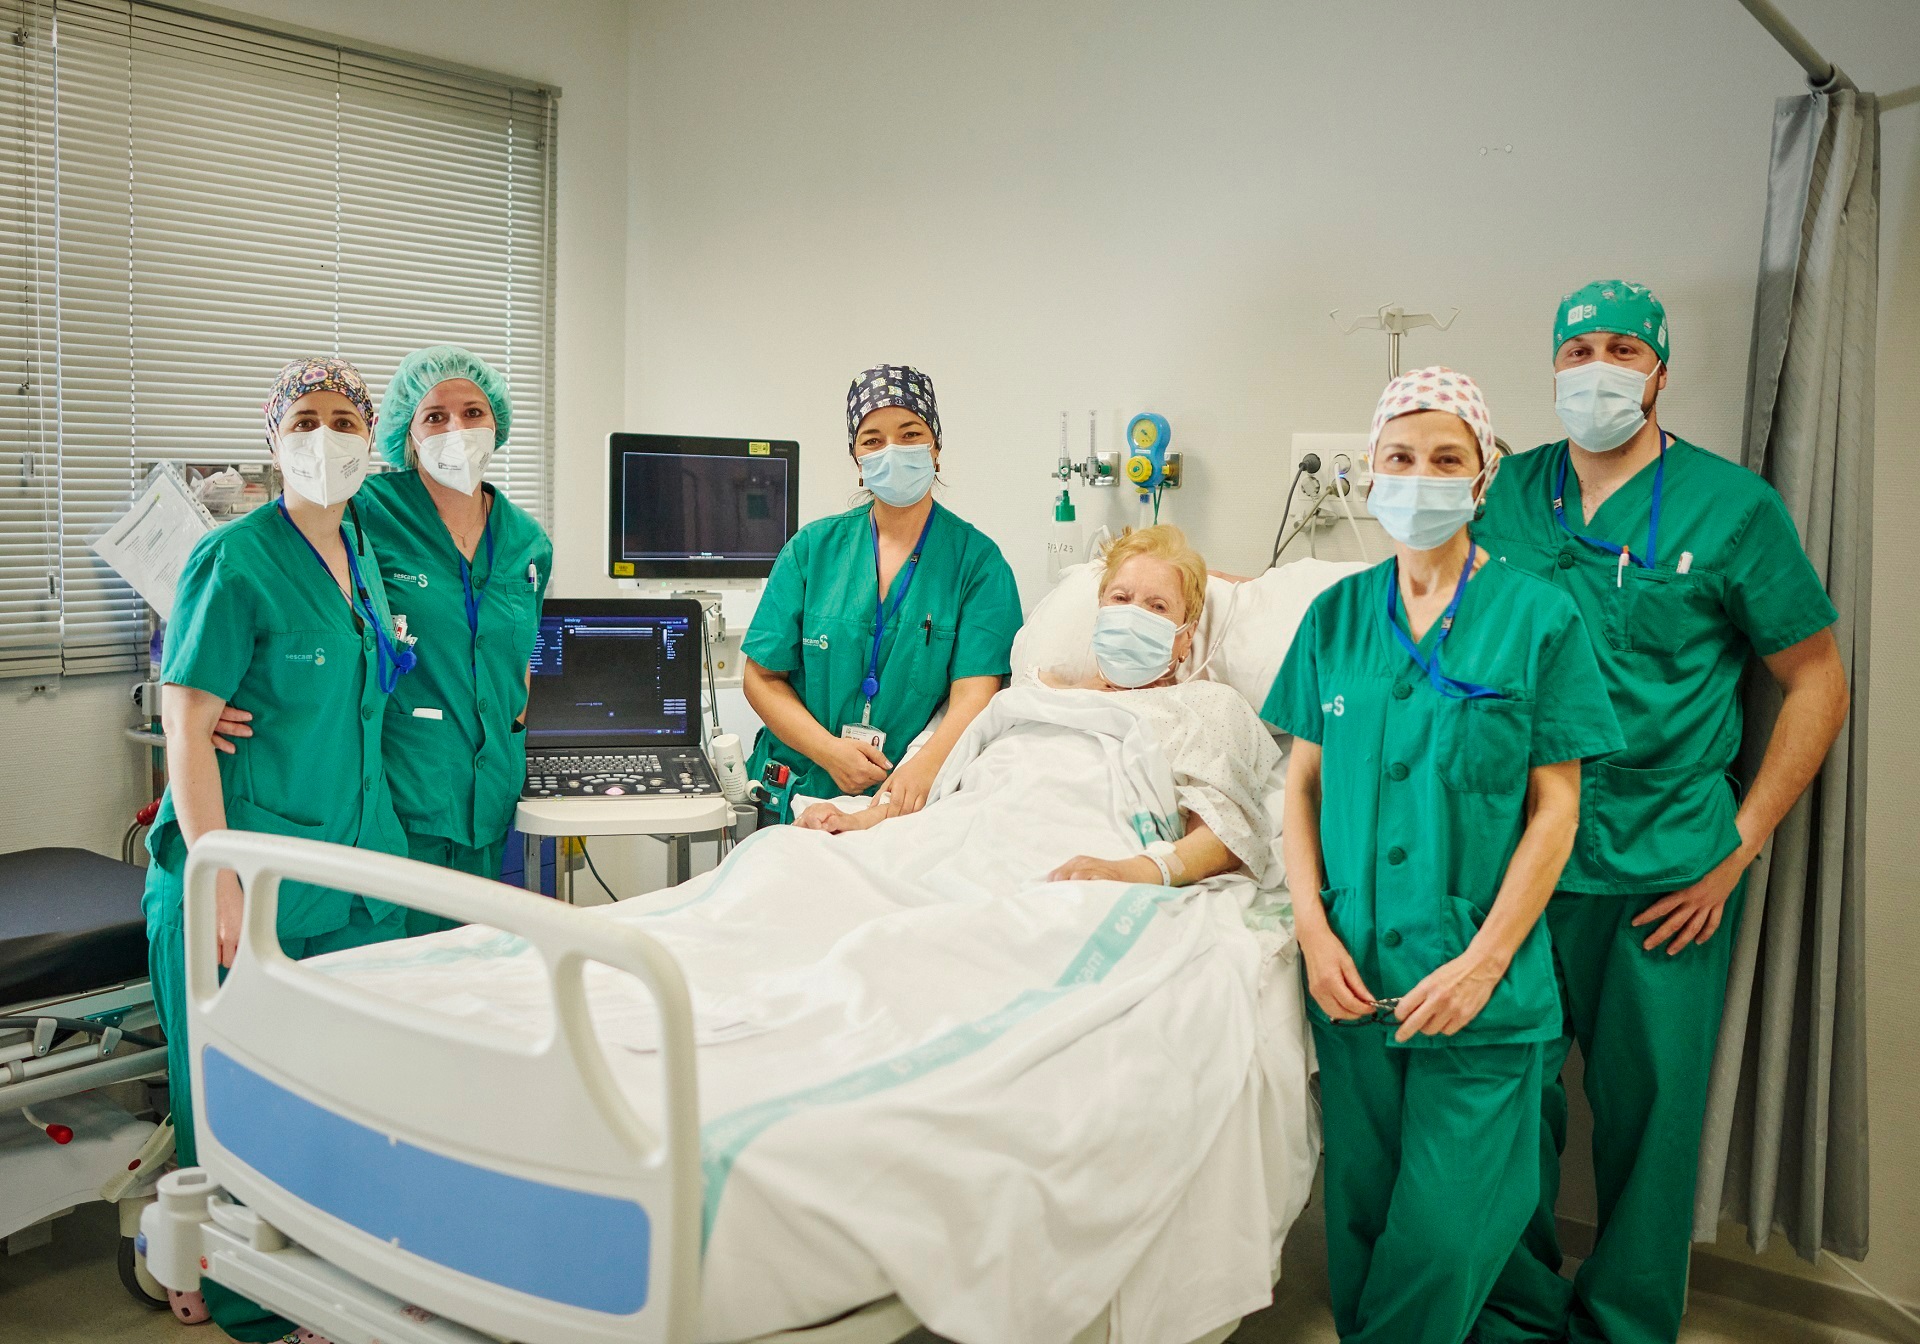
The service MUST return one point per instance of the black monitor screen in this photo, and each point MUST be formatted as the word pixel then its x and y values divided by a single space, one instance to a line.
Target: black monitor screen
pixel 693 508
pixel 613 680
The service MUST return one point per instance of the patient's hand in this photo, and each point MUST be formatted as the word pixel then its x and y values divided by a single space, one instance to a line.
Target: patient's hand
pixel 826 817
pixel 1084 868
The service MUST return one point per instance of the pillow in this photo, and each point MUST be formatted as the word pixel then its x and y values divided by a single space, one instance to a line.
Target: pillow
pixel 1254 622
pixel 1242 637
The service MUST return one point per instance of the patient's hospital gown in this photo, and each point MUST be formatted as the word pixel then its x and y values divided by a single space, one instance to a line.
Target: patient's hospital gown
pixel 1222 758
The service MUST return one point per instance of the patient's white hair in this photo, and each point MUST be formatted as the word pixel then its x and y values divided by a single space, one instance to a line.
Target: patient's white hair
pixel 1162 542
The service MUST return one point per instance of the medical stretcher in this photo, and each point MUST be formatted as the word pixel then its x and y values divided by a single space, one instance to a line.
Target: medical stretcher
pixel 379 1172
pixel 76 1019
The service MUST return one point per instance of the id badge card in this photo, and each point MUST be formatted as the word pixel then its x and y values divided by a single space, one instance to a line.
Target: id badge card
pixel 867 733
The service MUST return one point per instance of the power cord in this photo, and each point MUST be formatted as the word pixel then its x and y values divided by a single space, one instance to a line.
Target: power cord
pixel 587 854
pixel 1308 464
pixel 1299 527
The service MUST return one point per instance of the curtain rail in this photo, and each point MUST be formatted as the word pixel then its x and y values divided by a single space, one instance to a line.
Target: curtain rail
pixel 1823 76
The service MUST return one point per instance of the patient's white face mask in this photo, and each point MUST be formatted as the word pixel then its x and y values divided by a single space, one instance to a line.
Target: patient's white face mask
pixel 1133 646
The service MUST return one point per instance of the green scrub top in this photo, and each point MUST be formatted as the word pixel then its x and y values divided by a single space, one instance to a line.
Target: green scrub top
pixel 454 754
pixel 1671 645
pixel 258 622
pixel 815 623
pixel 1424 795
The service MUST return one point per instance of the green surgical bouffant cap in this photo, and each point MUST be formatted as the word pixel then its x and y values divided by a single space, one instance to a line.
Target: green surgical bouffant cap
pixel 422 371
pixel 1612 305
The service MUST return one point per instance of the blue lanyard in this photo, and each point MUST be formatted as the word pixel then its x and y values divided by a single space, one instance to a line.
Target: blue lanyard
pixel 1653 518
pixel 1440 681
pixel 466 578
pixel 391 660
pixel 884 611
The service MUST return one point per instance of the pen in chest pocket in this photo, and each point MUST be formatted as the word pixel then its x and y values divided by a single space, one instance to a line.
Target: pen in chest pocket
pixel 926 630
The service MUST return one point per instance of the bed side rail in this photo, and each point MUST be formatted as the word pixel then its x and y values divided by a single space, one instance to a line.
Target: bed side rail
pixel 506 1184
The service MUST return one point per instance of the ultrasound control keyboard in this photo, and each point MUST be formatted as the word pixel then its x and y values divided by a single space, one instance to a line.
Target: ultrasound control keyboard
pixel 643 774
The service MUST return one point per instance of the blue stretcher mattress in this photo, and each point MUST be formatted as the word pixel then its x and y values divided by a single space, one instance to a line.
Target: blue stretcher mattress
pixel 70 922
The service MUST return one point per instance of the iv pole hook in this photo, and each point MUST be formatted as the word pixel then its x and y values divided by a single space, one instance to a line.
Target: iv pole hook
pixel 1396 322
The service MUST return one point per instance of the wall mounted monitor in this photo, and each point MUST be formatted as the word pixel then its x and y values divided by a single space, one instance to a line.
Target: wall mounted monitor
pixel 688 508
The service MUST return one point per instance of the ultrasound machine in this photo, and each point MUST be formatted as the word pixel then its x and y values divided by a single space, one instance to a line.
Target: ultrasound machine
pixel 615 707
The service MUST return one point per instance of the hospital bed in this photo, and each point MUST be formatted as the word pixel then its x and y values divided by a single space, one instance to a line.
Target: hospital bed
pixel 378 1170
pixel 76 1039
pixel 365 1172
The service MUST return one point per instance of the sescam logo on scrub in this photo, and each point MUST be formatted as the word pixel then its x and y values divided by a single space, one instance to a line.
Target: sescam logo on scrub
pixel 1336 707
pixel 318 657
pixel 401 576
pixel 814 641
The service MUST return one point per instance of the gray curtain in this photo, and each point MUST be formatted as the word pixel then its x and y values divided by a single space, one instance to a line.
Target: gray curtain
pixel 1785 1144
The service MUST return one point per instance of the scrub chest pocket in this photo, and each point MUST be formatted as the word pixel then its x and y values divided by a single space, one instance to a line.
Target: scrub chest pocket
pixel 1659 611
pixel 1483 744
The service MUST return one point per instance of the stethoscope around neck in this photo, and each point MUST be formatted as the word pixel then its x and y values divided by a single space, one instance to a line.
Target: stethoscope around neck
pixel 392 659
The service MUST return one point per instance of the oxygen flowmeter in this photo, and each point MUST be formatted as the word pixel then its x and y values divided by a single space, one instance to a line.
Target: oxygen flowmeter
pixel 1150 467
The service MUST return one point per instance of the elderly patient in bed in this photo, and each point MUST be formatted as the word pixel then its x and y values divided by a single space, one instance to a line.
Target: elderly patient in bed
pixel 1153 586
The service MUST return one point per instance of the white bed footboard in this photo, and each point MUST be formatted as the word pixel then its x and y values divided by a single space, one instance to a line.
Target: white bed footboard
pixel 506 1185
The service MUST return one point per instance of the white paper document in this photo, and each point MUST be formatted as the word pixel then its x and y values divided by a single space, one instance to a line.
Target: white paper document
pixel 149 546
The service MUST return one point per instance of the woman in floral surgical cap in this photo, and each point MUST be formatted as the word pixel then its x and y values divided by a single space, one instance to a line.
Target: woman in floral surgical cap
pixel 1441 704
pixel 282 611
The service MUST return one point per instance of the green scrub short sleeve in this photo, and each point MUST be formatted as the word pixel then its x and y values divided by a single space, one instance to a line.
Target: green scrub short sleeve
pixel 989 619
pixel 1573 717
pixel 1293 705
pixel 1773 594
pixel 209 641
pixel 773 638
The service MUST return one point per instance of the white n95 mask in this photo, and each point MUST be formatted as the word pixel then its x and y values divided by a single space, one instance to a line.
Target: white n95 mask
pixel 1599 403
pixel 1422 511
pixel 1133 646
pixel 457 458
pixel 323 465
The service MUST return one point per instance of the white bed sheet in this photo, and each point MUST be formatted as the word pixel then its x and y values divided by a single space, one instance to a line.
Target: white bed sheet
pixel 926 1072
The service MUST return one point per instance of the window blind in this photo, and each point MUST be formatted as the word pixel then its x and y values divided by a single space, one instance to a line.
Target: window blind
pixel 228 198
pixel 29 574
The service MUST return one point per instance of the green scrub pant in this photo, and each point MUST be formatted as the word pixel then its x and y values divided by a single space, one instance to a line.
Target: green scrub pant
pixel 1647 1024
pixel 445 853
pixel 166 964
pixel 1432 1169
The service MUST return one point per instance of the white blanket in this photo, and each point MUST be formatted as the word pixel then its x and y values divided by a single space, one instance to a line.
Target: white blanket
pixel 924 1071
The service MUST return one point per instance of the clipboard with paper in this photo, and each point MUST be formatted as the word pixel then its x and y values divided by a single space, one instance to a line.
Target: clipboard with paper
pixel 149 545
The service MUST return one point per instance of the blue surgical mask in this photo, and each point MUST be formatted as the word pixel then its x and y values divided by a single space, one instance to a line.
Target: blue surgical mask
pixel 1599 403
pixel 899 474
pixel 1422 511
pixel 1133 646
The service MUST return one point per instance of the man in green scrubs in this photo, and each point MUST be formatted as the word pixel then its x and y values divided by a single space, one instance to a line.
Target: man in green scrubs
pixel 1685 567
pixel 466 569
pixel 258 618
pixel 1432 795
pixel 950 616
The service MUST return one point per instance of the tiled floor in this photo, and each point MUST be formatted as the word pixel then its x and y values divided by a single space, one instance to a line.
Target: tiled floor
pixel 69 1293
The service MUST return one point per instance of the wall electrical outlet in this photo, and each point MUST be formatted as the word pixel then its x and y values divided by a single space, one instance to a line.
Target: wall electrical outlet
pixel 1343 471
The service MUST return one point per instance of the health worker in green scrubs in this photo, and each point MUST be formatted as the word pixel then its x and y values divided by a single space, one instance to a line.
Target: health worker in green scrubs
pixel 466 570
pixel 875 617
pixel 1441 705
pixel 282 610
pixel 1685 567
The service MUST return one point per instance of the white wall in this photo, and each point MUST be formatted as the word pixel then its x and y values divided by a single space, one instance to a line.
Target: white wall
pixel 72 777
pixel 1131 205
